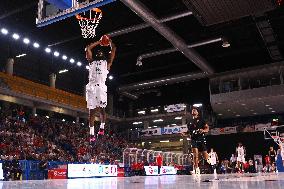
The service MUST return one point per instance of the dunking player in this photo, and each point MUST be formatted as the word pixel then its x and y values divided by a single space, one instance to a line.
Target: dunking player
pixel 197 129
pixel 100 56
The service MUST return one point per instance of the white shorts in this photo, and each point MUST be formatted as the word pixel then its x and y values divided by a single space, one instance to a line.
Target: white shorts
pixel 96 95
pixel 241 159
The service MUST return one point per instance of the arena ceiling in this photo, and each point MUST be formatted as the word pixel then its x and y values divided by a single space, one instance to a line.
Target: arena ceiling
pixel 249 45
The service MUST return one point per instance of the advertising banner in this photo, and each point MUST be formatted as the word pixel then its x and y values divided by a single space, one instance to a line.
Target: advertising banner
pixel 57 174
pixel 165 170
pixel 173 130
pixel 175 108
pixel 230 130
pixel 91 170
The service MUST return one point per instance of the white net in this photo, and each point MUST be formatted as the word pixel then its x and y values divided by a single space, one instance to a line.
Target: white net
pixel 89 25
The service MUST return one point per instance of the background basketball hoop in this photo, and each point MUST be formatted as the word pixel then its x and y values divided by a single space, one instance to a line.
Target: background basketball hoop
pixel 89 23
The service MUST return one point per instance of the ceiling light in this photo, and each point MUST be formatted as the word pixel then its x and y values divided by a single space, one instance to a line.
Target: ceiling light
pixel 64 57
pixel 243 104
pixel 252 110
pixel 197 105
pixel 73 122
pixel 229 110
pixel 83 124
pixel 15 36
pixel 181 139
pixel 226 43
pixel 35 115
pixel 21 55
pixel 178 118
pixel 26 41
pixel 164 141
pixel 174 124
pixel 155 110
pixel 87 67
pixel 63 71
pixel 63 120
pixel 110 77
pixel 150 142
pixel 273 111
pixel 137 123
pixel 158 120
pixel 56 53
pixel 155 126
pixel 254 113
pixel 4 31
pixel 79 64
pixel 36 45
pixel 220 114
pixel 141 112
pixel 270 108
pixel 72 60
pixel 48 50
pixel 149 127
pixel 267 105
pixel 238 115
pixel 47 117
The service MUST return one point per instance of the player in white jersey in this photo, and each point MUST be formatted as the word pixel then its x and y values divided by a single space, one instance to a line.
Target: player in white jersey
pixel 100 56
pixel 213 159
pixel 241 153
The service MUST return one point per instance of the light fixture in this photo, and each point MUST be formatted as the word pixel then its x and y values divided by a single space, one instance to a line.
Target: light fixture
pixel 252 110
pixel 73 122
pixel 26 41
pixel 225 43
pixel 79 64
pixel 4 31
pixel 174 124
pixel 178 118
pixel 15 36
pixel 72 60
pixel 63 71
pixel 164 141
pixel 64 57
pixel 48 50
pixel 158 120
pixel 87 67
pixel 273 111
pixel 63 120
pixel 56 53
pixel 197 105
pixel 243 104
pixel 35 115
pixel 149 127
pixel 155 110
pixel 47 117
pixel 238 115
pixel 110 77
pixel 21 55
pixel 254 113
pixel 36 45
pixel 137 123
pixel 150 142
pixel 82 123
pixel 267 105
pixel 270 108
pixel 141 112
pixel 155 126
pixel 220 114
pixel 180 139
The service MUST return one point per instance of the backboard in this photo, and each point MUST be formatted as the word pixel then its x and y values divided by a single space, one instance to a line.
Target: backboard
pixel 51 11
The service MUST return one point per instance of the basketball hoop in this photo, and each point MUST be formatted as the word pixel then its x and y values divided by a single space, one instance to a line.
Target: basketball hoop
pixel 89 24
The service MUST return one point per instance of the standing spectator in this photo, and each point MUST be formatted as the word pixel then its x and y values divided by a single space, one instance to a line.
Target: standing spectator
pixel 159 160
pixel 241 153
pixel 43 167
pixel 213 160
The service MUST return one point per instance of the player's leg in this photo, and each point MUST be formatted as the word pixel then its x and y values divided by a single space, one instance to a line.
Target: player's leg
pixel 103 121
pixel 91 123
pixel 195 160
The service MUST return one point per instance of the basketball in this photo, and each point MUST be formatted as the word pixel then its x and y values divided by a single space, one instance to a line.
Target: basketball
pixel 105 40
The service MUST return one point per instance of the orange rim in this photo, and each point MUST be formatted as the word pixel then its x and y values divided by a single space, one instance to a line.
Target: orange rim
pixel 79 17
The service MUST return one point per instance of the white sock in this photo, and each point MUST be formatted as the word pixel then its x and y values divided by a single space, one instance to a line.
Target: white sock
pixel 92 130
pixel 102 126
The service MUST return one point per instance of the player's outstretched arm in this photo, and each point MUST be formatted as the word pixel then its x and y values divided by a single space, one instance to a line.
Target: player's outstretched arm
pixel 112 54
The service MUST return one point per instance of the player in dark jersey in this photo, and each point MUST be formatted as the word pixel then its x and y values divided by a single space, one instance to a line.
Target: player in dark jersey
pixel 197 128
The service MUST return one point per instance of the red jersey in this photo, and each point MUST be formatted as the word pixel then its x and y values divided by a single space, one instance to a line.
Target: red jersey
pixel 159 160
